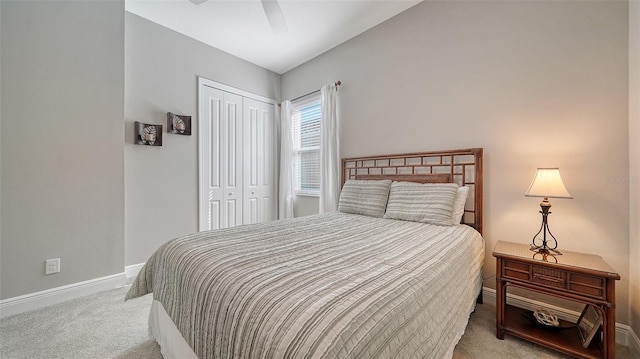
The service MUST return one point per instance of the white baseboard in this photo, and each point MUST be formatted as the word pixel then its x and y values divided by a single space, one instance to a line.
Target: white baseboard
pixel 634 341
pixel 132 271
pixel 624 333
pixel 47 297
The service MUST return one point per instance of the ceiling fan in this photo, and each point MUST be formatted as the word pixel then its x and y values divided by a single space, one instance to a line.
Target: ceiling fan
pixel 272 10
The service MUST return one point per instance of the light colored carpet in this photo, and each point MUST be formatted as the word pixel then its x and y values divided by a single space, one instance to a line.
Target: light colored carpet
pixel 104 326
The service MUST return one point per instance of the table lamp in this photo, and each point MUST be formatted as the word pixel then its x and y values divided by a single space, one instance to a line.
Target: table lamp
pixel 547 183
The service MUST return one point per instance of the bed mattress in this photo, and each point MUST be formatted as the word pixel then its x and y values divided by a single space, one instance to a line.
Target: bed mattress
pixel 326 286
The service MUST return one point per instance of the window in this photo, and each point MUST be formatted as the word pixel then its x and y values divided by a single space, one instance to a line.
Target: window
pixel 306 114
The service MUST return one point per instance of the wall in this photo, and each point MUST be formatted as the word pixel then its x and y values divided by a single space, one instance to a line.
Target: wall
pixel 62 133
pixel 0 146
pixel 634 162
pixel 161 183
pixel 534 83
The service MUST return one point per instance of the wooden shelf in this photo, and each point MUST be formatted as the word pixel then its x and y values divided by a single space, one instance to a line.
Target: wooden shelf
pixel 567 340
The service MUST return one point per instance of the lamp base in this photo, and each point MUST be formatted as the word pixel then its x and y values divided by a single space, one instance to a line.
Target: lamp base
pixel 544 250
pixel 545 247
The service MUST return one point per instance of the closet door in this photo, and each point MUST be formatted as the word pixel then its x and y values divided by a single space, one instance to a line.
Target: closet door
pixel 259 204
pixel 232 160
pixel 220 130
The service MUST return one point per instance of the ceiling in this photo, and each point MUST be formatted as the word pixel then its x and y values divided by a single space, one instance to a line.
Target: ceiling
pixel 241 28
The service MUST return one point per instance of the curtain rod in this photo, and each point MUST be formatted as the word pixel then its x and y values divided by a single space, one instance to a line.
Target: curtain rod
pixel 337 83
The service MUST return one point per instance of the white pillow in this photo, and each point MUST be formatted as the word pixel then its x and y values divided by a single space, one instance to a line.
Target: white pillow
pixel 366 197
pixel 458 206
pixel 428 203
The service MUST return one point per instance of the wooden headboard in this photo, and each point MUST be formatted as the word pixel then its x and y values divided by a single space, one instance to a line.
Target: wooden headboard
pixel 463 167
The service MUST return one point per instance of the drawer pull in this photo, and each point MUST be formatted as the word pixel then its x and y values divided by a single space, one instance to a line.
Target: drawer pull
pixel 548 279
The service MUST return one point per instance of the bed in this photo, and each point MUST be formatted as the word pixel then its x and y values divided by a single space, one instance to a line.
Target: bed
pixel 345 284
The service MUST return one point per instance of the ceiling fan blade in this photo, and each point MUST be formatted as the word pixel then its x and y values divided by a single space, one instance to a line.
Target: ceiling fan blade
pixel 275 16
pixel 197 2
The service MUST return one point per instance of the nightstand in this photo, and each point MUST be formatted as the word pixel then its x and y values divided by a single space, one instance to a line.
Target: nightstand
pixel 578 277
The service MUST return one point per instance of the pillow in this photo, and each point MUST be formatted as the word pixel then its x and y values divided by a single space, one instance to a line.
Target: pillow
pixel 458 205
pixel 427 203
pixel 364 197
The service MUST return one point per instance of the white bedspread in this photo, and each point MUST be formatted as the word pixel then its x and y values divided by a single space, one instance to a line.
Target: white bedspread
pixel 325 286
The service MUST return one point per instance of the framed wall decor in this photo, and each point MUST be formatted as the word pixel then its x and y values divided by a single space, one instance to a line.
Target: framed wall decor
pixel 588 324
pixel 178 124
pixel 147 134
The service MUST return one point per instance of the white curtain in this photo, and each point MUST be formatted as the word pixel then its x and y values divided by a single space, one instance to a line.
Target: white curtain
pixel 285 199
pixel 329 150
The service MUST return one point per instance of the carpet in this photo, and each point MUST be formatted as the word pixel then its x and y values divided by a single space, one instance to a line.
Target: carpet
pixel 104 326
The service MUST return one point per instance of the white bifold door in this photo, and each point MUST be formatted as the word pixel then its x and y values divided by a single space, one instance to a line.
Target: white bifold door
pixel 237 147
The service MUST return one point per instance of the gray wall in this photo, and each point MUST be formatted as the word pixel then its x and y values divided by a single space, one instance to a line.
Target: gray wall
pixel 62 159
pixel 534 83
pixel 161 183
pixel 0 147
pixel 634 162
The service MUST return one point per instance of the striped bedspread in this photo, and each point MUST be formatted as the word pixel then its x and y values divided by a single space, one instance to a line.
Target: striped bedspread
pixel 326 286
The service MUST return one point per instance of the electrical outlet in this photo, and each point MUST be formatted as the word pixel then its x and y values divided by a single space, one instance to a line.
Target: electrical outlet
pixel 52 266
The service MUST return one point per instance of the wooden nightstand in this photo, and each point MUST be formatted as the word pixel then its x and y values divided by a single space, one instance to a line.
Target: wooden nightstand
pixel 582 278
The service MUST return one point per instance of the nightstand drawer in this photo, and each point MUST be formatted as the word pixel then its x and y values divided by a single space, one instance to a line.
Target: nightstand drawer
pixel 549 277
pixel 587 285
pixel 516 270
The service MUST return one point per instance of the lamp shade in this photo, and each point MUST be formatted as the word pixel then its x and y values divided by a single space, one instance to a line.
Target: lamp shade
pixel 548 183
